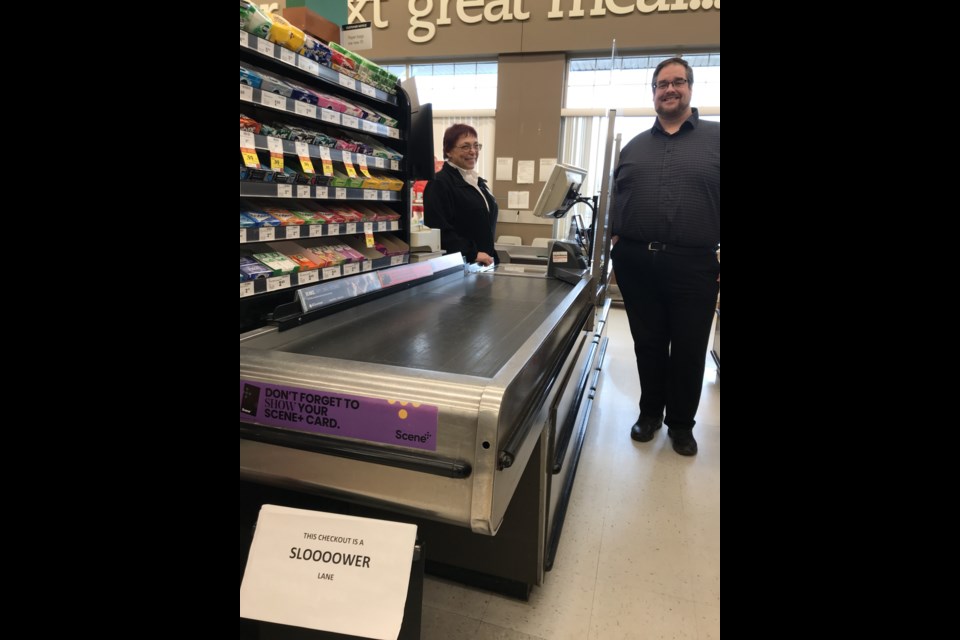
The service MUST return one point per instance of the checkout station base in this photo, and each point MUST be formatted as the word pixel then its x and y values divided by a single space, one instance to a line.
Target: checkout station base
pixel 512 363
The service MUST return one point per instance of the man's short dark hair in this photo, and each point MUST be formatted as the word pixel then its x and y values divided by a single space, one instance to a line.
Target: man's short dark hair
pixel 681 62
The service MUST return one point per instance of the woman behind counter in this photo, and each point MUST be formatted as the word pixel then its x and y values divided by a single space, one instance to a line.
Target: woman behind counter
pixel 459 203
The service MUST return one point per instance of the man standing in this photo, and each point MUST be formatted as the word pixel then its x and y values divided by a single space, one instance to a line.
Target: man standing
pixel 666 232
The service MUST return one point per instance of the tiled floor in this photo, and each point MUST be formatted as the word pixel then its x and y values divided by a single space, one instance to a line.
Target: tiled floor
pixel 640 551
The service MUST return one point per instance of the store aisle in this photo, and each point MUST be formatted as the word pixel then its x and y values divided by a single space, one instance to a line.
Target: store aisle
pixel 640 551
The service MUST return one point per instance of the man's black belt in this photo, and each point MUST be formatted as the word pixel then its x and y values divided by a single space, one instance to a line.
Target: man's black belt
pixel 677 249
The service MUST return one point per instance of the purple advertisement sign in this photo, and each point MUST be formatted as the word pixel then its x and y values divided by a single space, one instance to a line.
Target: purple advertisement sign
pixel 401 423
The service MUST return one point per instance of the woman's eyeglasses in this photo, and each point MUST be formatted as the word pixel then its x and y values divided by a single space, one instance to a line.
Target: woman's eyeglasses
pixel 466 147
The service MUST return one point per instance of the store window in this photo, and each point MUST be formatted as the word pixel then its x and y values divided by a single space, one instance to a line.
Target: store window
pixel 459 92
pixel 624 83
pixel 595 85
pixel 457 86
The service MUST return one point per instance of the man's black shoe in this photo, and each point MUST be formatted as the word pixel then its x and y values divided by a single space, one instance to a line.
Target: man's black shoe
pixel 683 442
pixel 644 429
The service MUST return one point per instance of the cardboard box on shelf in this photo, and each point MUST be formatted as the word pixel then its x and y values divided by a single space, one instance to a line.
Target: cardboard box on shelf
pixel 313 23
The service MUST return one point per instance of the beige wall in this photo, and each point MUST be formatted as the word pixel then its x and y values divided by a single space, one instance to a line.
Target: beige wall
pixel 529 93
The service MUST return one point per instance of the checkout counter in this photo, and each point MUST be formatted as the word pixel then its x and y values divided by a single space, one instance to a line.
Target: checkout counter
pixel 459 403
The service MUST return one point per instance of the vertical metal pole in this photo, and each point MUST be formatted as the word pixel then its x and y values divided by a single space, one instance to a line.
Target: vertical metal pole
pixel 601 231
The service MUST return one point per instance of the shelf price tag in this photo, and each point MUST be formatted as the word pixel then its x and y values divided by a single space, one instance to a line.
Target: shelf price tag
pixel 394 165
pixel 395 260
pixel 243 235
pixel 381 226
pixel 331 272
pixel 248 150
pixel 393 133
pixel 351 269
pixel 384 195
pixel 288 56
pixel 276 153
pixel 365 265
pixel 246 289
pixel 348 164
pixel 346 81
pixel 267 234
pixel 316 230
pixel 322 192
pixel 292 231
pixel 274 100
pixel 378 163
pixel 341 193
pixel 329 115
pixel 246 92
pixel 326 161
pixel 305 109
pixel 250 158
pixel 370 127
pixel 306 277
pixel 303 191
pixel 308 65
pixel 281 282
pixel 265 47
pixel 362 161
pixel 369 194
pixel 284 191
pixel 244 39
pixel 350 121
pixel 367 90
pixel 350 227
pixel 334 229
pixel 304 153
pixel 368 227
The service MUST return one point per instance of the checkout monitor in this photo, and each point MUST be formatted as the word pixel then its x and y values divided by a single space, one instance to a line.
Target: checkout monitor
pixel 561 191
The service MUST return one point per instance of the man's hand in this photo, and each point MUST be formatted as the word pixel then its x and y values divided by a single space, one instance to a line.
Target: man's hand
pixel 484 258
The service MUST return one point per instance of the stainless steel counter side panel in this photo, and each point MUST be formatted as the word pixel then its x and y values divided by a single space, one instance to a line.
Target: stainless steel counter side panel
pixel 479 347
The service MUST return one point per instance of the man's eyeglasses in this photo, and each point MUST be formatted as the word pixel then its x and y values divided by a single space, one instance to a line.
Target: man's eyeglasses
pixel 466 147
pixel 679 83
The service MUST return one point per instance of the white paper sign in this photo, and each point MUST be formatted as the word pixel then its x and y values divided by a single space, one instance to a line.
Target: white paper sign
pixel 504 169
pixel 328 572
pixel 518 199
pixel 357 37
pixel 525 172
